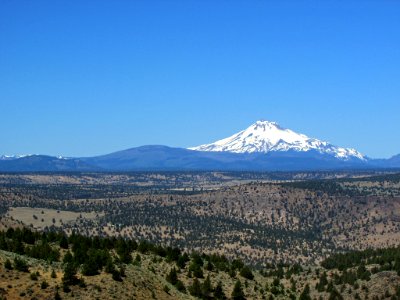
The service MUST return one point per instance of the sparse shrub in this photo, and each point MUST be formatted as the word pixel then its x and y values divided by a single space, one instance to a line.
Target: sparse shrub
pixel 8 265
pixel 66 288
pixel 166 289
pixel 44 285
pixel 116 275
pixel 20 265
pixel 180 286
pixel 34 276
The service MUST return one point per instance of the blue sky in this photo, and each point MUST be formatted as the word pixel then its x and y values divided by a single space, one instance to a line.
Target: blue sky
pixel 81 78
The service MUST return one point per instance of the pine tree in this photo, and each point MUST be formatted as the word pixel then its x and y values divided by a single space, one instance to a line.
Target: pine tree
pixel 20 265
pixel 57 296
pixel 195 288
pixel 69 277
pixel 305 295
pixel 322 282
pixel 246 273
pixel 180 286
pixel 172 277
pixel 68 258
pixel 206 287
pixel 237 293
pixel 64 242
pixel 8 265
pixel 219 292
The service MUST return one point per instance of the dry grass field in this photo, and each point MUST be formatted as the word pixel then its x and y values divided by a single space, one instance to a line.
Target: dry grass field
pixel 39 218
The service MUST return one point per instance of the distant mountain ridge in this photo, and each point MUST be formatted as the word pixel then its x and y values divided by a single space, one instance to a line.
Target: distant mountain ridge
pixel 264 146
pixel 11 157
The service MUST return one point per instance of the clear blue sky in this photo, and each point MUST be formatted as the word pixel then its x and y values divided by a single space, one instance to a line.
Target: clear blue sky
pixel 81 78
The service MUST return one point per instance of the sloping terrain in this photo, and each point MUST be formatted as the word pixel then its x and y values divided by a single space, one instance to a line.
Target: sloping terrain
pixel 301 221
pixel 53 266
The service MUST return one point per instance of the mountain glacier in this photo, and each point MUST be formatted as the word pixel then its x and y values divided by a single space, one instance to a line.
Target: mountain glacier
pixel 264 137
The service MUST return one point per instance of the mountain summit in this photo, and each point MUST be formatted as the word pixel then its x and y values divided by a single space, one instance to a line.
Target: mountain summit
pixel 264 137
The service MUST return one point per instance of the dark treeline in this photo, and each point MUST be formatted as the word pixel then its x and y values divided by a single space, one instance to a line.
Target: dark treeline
pixel 92 255
pixel 86 191
pixel 328 186
pixel 338 186
pixel 388 259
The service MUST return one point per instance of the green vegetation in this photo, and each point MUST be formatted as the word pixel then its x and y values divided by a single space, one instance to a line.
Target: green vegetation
pixel 90 256
pixel 387 259
pixel 237 293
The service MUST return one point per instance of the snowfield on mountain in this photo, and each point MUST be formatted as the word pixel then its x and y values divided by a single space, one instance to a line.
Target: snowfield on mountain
pixel 265 136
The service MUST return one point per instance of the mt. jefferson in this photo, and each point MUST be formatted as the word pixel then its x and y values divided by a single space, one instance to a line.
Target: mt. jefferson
pixel 265 137
pixel 264 146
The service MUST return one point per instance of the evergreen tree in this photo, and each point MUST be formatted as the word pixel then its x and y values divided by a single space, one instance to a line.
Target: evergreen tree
pixel 110 268
pixel 206 287
pixel 68 258
pixel 44 285
pixel 335 295
pixel 182 260
pixel 196 269
pixel 172 277
pixel 64 242
pixel 246 273
pixel 8 265
pixel 89 268
pixel 219 292
pixel 195 288
pixel 20 265
pixel 180 286
pixel 363 273
pixel 237 293
pixel 116 275
pixel 323 281
pixel 305 294
pixel 69 277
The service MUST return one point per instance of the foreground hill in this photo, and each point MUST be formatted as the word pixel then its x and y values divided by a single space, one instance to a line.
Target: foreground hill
pixel 53 266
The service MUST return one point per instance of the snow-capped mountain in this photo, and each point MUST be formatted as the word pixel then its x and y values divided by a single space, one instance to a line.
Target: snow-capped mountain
pixel 264 136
